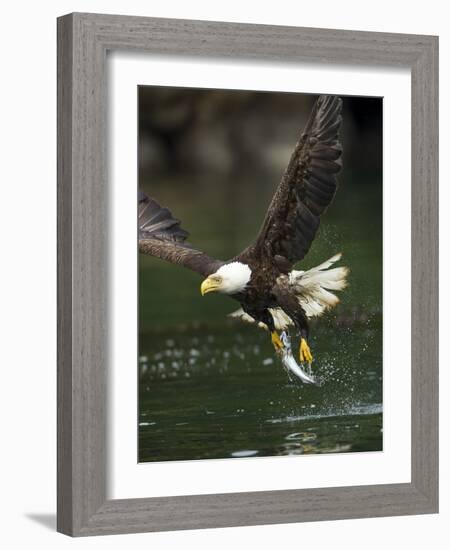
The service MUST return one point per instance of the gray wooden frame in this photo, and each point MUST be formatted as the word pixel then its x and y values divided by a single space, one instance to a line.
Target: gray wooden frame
pixel 83 41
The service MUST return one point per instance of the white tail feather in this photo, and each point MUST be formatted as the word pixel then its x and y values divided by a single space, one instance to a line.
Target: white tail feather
pixel 312 287
pixel 328 263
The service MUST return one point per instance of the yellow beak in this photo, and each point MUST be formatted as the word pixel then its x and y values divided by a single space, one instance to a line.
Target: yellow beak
pixel 209 285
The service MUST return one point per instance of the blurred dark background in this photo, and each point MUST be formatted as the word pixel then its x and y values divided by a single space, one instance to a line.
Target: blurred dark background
pixel 191 131
pixel 215 157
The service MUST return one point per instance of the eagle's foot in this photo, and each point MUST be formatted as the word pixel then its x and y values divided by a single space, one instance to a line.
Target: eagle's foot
pixel 276 341
pixel 305 352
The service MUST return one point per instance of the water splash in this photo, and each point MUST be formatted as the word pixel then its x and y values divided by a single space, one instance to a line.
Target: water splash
pixel 363 410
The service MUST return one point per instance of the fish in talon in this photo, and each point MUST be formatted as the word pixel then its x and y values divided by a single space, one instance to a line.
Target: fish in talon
pixel 296 369
pixel 291 365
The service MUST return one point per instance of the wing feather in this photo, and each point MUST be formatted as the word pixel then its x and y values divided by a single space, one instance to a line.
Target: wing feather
pixel 306 189
pixel 161 236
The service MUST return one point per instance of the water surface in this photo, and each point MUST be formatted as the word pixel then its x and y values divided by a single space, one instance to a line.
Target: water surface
pixel 220 393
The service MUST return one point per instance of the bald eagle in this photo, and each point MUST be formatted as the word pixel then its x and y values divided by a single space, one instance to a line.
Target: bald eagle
pixel 261 278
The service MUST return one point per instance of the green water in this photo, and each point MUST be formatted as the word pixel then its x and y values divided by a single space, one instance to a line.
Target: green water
pixel 223 393
pixel 213 388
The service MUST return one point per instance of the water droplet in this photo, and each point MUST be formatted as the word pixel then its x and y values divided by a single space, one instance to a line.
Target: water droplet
pixel 242 454
pixel 296 435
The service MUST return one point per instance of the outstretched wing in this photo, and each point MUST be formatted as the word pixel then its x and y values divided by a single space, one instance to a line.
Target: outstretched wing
pixel 306 189
pixel 162 236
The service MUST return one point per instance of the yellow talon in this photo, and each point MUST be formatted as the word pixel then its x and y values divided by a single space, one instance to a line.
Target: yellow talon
pixel 277 343
pixel 305 352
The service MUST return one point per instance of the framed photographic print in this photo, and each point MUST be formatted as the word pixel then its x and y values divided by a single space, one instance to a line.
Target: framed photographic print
pixel 220 150
pixel 247 274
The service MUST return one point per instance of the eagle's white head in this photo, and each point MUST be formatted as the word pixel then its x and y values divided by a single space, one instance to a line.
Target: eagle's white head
pixel 228 279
